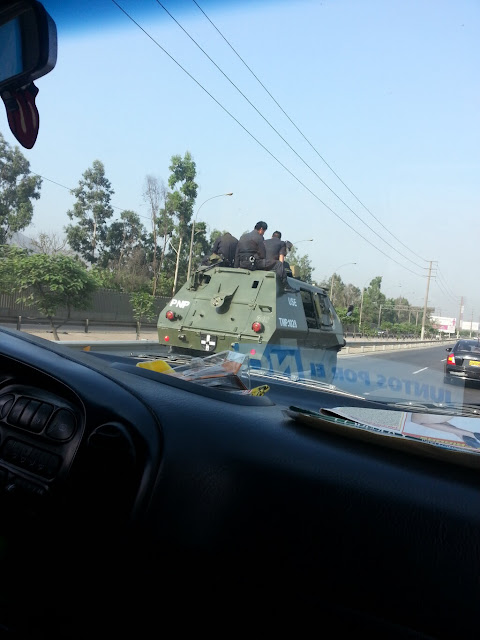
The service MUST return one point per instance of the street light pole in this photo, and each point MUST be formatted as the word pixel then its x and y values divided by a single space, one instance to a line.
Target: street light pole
pixel 361 310
pixel 193 229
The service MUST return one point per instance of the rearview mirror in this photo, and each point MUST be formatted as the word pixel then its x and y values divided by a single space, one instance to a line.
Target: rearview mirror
pixel 28 43
pixel 28 50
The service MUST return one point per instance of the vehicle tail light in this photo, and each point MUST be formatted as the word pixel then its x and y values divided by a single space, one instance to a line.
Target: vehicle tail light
pixel 170 315
pixel 451 359
pixel 257 327
pixel 167 338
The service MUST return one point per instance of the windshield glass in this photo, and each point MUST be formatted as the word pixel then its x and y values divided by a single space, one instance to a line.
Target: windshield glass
pixel 293 181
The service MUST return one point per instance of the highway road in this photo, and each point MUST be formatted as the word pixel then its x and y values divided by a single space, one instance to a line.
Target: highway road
pixel 409 378
pixel 400 376
pixel 402 373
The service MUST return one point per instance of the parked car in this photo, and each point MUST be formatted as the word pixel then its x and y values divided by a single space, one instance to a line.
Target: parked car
pixel 463 361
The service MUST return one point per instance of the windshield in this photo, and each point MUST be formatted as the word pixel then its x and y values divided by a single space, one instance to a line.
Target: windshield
pixel 336 142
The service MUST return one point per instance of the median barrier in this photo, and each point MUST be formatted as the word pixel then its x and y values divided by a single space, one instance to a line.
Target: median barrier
pixel 352 348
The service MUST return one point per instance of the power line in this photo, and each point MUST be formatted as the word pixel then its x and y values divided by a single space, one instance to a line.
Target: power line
pixel 278 133
pixel 443 286
pixel 306 139
pixel 70 190
pixel 258 141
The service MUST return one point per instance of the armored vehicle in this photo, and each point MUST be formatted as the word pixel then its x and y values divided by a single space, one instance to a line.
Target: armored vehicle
pixel 296 333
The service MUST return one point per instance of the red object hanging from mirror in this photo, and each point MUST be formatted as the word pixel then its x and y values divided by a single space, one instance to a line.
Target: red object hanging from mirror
pixel 22 113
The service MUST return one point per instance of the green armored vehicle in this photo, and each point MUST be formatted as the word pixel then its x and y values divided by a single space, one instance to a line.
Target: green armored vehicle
pixel 296 334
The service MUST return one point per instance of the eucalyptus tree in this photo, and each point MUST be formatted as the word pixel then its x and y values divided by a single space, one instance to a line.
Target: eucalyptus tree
pixel 18 188
pixel 180 203
pixel 155 193
pixel 123 237
pixel 91 210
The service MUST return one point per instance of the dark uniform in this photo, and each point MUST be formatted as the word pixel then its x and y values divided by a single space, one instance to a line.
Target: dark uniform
pixel 275 247
pixel 252 254
pixel 226 247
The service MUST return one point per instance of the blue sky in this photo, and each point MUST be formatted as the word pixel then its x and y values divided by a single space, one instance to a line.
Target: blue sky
pixel 377 161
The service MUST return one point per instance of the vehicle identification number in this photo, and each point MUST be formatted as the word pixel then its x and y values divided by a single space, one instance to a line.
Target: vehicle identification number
pixel 292 301
pixel 288 322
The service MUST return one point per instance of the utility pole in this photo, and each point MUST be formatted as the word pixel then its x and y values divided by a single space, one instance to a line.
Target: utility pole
pixel 460 316
pixel 361 310
pixel 422 334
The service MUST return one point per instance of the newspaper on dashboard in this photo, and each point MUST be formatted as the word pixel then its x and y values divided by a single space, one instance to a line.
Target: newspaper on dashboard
pixel 431 434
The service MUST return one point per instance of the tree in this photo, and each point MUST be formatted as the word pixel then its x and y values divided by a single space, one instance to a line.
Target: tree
pixel 51 244
pixel 154 191
pixel 7 276
pixel 92 210
pixel 180 202
pixel 302 263
pixel 133 275
pixel 17 190
pixel 347 316
pixel 123 238
pixel 52 283
pixel 143 308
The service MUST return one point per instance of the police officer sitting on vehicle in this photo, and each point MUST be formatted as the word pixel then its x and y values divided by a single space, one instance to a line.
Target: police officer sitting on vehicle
pixel 277 249
pixel 226 246
pixel 251 254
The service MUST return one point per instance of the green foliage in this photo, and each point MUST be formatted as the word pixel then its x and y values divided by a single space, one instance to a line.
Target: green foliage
pixel 143 306
pixel 92 209
pixel 123 238
pixel 184 170
pixel 135 275
pixel 165 284
pixel 180 203
pixel 347 320
pixel 17 190
pixel 8 253
pixel 53 282
pixel 105 278
pixel 182 199
pixel 302 263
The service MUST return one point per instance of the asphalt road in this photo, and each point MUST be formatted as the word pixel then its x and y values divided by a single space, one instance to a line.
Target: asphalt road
pixel 414 375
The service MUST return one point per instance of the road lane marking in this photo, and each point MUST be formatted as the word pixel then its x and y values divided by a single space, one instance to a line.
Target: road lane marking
pixel 424 369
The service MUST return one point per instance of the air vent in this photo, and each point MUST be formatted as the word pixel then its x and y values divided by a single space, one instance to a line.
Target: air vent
pixel 113 440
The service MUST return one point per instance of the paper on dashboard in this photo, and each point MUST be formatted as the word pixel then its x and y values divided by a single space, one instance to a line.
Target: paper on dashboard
pixel 432 434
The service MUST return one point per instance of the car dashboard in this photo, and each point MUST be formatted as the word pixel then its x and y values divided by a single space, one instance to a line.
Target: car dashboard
pixel 130 502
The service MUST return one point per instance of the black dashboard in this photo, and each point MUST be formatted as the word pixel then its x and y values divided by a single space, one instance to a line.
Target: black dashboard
pixel 128 502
